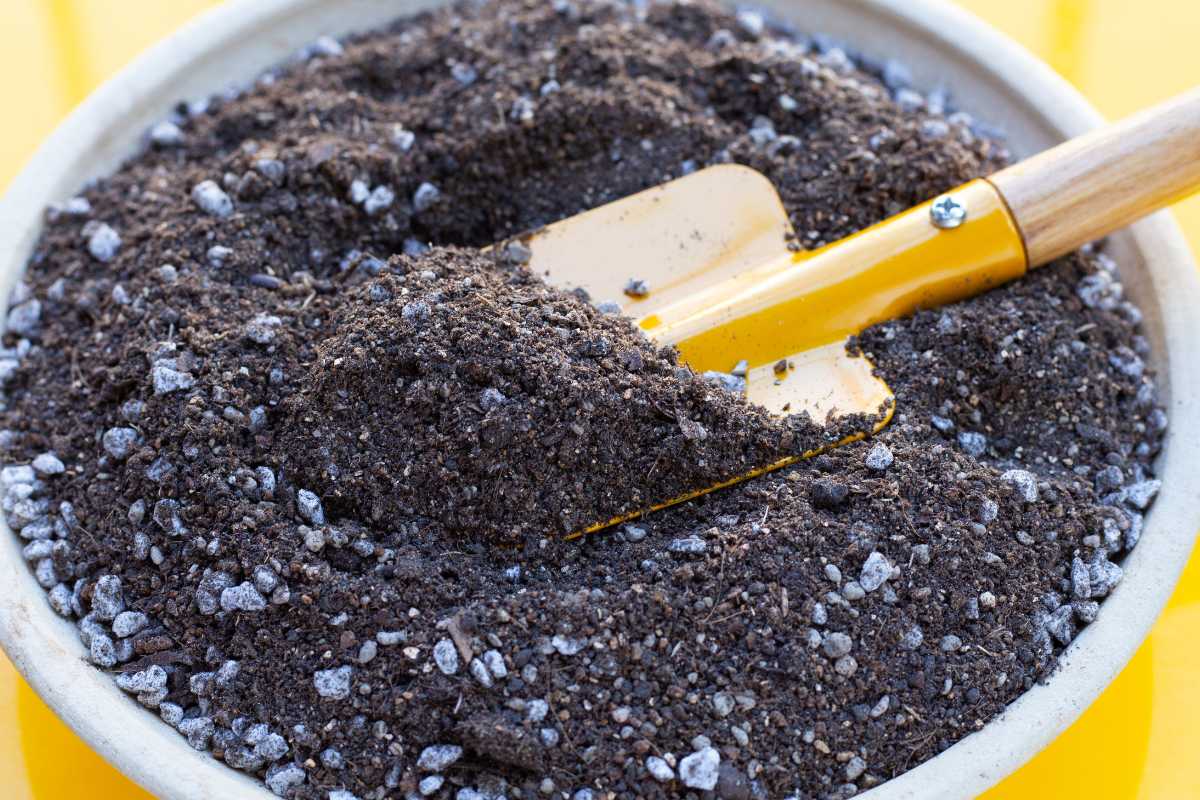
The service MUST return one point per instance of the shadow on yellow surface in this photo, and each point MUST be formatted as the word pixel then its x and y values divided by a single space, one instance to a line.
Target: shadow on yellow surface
pixel 1139 740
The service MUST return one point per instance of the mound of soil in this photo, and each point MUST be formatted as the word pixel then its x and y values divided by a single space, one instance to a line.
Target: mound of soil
pixel 458 391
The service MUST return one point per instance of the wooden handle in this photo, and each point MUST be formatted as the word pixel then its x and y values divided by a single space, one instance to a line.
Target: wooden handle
pixel 1100 182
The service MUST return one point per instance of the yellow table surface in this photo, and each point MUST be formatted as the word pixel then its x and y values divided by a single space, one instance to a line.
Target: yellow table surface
pixel 1141 739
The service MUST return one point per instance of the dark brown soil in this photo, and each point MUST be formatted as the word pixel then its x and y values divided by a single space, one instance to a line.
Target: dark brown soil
pixel 241 463
pixel 458 391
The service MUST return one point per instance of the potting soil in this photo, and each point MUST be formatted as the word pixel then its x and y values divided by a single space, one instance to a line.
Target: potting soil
pixel 298 457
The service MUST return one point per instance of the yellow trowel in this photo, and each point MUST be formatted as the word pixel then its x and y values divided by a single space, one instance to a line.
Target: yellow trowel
pixel 702 262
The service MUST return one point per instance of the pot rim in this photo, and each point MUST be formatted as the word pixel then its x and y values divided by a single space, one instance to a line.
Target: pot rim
pixel 251 35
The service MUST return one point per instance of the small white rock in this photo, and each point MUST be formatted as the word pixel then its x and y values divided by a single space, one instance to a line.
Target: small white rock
pixel 437 757
pixel 283 779
pixel 875 571
pixel 880 457
pixel 333 684
pixel 1025 483
pixel 359 192
pixel 567 647
pixel 310 508
pixel 166 134
pixel 243 597
pixel 480 673
pixel 327 46
pixel 167 379
pixel 119 442
pixel 107 598
pixel 700 769
pixel 495 664
pixel 425 196
pixel 379 200
pixel 104 243
pixel 48 464
pixel 445 655
pixel 211 199
pixel 659 770
pixel 127 623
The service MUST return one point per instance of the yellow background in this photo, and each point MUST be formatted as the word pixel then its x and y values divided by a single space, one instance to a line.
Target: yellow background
pixel 1141 739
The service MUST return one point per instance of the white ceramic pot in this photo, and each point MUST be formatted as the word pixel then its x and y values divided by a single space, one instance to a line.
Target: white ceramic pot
pixel 994 78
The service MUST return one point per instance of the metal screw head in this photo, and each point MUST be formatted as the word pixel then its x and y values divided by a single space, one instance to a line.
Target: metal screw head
pixel 946 212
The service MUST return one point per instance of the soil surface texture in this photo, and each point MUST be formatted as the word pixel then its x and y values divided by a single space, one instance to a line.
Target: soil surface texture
pixel 256 384
pixel 457 391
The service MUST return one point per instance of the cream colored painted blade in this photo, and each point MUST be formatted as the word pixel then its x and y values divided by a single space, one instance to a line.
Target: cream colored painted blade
pixel 680 238
pixel 699 238
pixel 823 381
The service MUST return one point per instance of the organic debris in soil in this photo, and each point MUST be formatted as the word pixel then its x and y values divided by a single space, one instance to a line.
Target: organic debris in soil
pixel 817 630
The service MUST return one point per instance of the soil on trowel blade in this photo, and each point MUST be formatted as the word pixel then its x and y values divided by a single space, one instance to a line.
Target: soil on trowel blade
pixel 242 393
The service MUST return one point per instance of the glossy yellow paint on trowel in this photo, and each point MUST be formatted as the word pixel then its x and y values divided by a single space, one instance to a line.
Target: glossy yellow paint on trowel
pixel 721 285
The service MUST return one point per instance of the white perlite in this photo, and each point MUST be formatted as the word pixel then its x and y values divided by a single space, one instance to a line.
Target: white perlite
pixel 168 379
pixel 107 598
pixel 1025 483
pixel 211 199
pixel 445 655
pixel 389 638
pixel 104 243
pixel 127 623
pixel 566 646
pixel 166 134
pixel 699 770
pixel 243 597
pixel 48 464
pixel 263 328
pixel 284 778
pixel 119 442
pixel 333 684
pixel 380 199
pixel 480 673
pixel 660 770
pixel 24 319
pixel 310 508
pixel 425 196
pixel 437 757
pixel 875 571
pixel 880 457
pixel 495 664
pixel 150 679
pixel 326 46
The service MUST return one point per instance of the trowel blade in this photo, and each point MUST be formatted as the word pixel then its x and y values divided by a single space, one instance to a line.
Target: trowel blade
pixel 715 231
